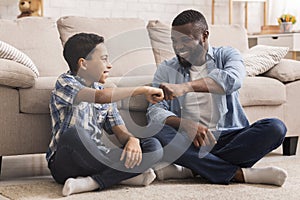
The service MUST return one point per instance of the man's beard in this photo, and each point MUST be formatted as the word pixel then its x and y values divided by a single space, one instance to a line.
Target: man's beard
pixel 183 62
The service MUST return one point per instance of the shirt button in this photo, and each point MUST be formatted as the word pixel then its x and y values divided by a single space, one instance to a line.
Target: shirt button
pixel 181 108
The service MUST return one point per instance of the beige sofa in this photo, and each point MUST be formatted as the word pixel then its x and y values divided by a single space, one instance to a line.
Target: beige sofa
pixel 24 111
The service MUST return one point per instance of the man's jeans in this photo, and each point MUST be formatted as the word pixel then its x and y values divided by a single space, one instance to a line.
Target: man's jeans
pixel 234 149
pixel 79 156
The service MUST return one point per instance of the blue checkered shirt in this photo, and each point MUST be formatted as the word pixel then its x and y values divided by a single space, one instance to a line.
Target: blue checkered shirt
pixel 93 117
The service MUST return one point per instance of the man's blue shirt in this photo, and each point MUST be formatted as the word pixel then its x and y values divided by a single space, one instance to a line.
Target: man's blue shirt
pixel 225 66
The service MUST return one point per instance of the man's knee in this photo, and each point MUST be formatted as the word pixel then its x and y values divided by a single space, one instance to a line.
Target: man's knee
pixel 275 128
pixel 166 134
pixel 278 127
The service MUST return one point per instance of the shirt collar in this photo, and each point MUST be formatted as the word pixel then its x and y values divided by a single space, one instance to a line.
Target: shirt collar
pixel 210 52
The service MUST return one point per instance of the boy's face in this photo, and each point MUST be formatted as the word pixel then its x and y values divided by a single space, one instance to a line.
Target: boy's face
pixel 97 66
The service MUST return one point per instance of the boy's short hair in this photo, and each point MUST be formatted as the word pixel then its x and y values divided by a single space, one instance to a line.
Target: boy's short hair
pixel 191 16
pixel 80 46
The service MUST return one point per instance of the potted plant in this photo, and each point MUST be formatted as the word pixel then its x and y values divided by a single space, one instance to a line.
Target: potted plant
pixel 286 22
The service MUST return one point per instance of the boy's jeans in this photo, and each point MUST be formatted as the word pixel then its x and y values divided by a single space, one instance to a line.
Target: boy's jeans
pixel 79 156
pixel 234 149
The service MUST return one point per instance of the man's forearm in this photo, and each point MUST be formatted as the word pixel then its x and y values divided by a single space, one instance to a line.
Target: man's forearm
pixel 204 85
pixel 173 121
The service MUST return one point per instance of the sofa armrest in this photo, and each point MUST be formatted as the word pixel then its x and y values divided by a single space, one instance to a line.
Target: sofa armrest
pixel 15 75
pixel 286 70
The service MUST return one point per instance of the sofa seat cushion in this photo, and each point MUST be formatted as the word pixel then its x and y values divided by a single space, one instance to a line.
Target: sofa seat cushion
pixel 261 91
pixel 136 103
pixel 35 100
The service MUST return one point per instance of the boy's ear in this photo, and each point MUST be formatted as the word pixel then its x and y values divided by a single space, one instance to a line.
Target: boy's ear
pixel 82 63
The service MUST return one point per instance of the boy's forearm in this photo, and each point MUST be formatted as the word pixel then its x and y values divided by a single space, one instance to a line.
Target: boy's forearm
pixel 108 95
pixel 122 133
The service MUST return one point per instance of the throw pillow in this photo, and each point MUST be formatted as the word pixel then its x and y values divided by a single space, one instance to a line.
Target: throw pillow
pixel 14 74
pixel 11 53
pixel 286 70
pixel 261 58
pixel 160 38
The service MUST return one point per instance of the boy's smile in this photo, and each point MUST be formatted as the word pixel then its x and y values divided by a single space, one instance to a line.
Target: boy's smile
pixel 96 66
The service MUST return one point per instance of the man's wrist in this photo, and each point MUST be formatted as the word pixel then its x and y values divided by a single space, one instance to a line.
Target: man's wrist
pixel 187 87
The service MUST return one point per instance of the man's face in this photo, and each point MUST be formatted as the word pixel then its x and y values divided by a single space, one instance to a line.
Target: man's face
pixel 97 66
pixel 189 46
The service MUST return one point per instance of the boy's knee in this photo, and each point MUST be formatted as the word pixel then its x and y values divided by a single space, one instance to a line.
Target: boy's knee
pixel 152 146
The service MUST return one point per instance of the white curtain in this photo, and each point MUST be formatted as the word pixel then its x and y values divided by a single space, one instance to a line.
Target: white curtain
pixel 279 7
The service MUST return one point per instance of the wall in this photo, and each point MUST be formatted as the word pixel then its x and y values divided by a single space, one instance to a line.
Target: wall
pixel 164 10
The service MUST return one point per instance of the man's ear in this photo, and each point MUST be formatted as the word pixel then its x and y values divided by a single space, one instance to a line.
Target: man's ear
pixel 205 35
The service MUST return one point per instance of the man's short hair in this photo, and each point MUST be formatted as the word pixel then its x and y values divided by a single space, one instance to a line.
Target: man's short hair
pixel 191 16
pixel 80 46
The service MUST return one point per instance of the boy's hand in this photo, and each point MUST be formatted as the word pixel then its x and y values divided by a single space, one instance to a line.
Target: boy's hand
pixel 133 153
pixel 154 95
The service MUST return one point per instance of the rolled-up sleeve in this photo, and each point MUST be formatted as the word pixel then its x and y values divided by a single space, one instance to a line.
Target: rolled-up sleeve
pixel 231 75
pixel 159 112
pixel 113 118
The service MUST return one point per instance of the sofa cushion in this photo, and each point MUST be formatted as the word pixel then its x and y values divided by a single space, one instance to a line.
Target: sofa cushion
pixel 286 71
pixel 260 91
pixel 126 39
pixel 220 35
pixel 38 38
pixel 11 53
pixel 14 74
pixel 36 99
pixel 261 58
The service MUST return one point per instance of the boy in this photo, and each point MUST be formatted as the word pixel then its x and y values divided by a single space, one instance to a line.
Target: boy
pixel 80 109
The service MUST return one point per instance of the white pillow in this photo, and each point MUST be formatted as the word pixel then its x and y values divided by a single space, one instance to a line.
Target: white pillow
pixel 261 58
pixel 11 53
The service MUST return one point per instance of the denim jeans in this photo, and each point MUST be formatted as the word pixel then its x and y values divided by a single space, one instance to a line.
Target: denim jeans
pixel 77 155
pixel 234 149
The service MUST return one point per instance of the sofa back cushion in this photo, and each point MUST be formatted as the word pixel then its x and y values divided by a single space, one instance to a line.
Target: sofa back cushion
pixel 219 35
pixel 126 39
pixel 38 38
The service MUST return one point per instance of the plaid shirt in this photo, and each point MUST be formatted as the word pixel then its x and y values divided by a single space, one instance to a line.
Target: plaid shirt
pixel 92 117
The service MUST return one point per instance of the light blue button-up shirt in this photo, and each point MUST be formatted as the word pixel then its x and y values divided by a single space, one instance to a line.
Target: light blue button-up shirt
pixel 225 66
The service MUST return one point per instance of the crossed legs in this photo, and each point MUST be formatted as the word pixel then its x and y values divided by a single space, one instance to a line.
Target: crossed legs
pixel 233 156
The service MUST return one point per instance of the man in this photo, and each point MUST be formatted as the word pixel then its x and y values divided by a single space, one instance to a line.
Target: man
pixel 201 103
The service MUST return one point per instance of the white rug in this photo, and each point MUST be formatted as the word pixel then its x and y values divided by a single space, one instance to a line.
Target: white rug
pixel 46 188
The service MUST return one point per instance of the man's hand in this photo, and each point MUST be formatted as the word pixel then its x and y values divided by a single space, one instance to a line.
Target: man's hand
pixel 172 91
pixel 133 153
pixel 154 95
pixel 200 135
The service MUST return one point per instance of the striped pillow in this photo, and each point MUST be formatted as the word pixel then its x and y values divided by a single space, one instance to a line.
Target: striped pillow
pixel 11 53
pixel 261 58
